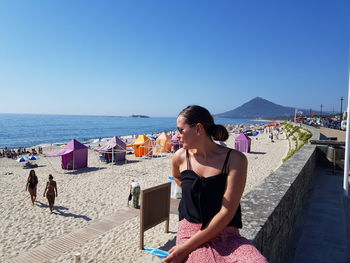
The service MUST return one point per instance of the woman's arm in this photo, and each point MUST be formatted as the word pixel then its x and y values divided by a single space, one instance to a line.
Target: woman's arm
pixel 176 161
pixel 234 189
pixel 47 183
pixel 55 186
pixel 27 183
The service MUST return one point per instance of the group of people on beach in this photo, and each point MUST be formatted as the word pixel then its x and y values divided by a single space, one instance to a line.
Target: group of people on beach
pixel 13 153
pixel 50 190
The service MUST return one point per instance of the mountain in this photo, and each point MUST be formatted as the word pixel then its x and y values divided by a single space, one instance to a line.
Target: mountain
pixel 258 108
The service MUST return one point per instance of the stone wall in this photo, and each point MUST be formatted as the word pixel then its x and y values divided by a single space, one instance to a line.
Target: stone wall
pixel 270 210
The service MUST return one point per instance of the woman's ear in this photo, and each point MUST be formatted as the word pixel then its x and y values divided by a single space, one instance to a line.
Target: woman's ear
pixel 200 128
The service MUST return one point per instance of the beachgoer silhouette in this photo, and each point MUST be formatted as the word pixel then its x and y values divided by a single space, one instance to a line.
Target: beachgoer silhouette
pixel 51 192
pixel 31 185
pixel 135 192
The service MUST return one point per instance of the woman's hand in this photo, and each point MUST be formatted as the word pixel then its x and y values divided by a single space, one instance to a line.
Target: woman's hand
pixel 178 254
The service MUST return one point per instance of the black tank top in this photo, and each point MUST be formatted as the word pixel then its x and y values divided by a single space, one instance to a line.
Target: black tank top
pixel 202 197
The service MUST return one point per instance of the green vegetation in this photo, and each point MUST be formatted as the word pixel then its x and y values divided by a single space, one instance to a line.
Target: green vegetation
pixel 294 133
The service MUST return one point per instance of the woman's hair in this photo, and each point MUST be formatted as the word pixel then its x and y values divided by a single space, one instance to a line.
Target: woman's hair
pixel 196 114
pixel 50 176
pixel 32 173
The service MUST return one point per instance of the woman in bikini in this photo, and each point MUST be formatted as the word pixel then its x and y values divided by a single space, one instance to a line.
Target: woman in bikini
pixel 51 191
pixel 212 178
pixel 31 185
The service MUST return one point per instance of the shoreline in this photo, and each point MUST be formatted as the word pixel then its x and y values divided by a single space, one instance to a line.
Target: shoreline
pixel 95 140
pixel 42 130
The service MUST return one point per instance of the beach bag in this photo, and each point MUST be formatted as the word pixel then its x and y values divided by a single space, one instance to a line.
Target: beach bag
pixel 130 196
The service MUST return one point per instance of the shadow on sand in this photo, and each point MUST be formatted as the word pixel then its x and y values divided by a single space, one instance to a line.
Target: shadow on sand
pixel 258 152
pixel 33 166
pixel 168 245
pixel 60 213
pixel 85 170
pixel 128 161
pixel 58 210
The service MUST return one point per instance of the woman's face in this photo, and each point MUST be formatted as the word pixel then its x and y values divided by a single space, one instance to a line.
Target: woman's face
pixel 187 133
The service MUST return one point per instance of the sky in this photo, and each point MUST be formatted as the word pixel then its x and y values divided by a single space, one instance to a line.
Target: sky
pixel 156 57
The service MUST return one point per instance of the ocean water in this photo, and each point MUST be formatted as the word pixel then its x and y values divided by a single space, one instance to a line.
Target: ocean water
pixel 27 130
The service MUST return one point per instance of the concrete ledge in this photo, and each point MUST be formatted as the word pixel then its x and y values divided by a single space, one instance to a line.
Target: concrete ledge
pixel 270 210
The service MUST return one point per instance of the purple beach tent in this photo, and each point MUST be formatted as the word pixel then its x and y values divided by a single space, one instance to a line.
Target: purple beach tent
pixel 175 142
pixel 74 155
pixel 114 150
pixel 242 143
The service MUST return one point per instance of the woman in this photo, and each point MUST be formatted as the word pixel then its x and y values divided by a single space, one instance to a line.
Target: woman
pixel 51 191
pixel 212 178
pixel 31 185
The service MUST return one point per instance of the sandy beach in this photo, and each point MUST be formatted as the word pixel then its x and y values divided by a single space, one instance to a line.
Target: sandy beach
pixel 95 192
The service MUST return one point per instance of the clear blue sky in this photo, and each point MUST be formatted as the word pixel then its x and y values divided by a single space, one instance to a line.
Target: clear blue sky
pixel 156 57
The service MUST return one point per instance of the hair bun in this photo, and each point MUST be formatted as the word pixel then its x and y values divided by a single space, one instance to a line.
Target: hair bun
pixel 219 132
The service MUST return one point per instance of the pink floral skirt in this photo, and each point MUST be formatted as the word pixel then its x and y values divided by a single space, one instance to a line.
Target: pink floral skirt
pixel 228 247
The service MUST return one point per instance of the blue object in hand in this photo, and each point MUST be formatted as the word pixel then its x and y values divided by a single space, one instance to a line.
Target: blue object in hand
pixel 157 252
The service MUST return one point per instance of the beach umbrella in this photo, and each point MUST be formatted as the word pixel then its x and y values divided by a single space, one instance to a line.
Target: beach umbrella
pixel 33 158
pixel 22 159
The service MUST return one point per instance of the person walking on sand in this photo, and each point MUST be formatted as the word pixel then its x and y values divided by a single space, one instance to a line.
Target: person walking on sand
pixel 31 185
pixel 212 178
pixel 51 192
pixel 135 192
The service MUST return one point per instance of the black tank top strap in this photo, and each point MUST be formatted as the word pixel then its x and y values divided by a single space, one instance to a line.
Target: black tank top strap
pixel 224 167
pixel 188 161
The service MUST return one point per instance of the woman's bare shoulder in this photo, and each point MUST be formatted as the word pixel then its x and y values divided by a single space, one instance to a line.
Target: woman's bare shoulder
pixel 237 157
pixel 179 156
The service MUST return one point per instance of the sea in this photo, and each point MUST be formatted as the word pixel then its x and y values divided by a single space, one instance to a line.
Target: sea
pixel 28 130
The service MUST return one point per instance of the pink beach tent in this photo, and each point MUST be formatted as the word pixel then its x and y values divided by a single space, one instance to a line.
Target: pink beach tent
pixel 242 143
pixel 74 155
pixel 175 142
pixel 114 150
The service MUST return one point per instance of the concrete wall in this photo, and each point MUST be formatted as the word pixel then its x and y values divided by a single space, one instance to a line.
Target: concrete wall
pixel 270 210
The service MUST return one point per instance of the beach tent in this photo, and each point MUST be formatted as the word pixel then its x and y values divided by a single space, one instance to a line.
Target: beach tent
pixel 273 124
pixel 142 146
pixel 74 155
pixel 114 150
pixel 163 143
pixel 242 143
pixel 175 142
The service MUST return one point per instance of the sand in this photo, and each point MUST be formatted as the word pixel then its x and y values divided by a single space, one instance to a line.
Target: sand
pixel 94 193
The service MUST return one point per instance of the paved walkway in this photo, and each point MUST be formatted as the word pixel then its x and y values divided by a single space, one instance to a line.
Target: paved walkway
pixel 47 252
pixel 329 133
pixel 321 229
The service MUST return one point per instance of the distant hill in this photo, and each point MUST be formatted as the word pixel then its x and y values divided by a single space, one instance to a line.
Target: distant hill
pixel 259 108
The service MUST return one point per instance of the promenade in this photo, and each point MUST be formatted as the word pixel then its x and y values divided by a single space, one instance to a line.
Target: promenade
pixel 333 133
pixel 322 228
